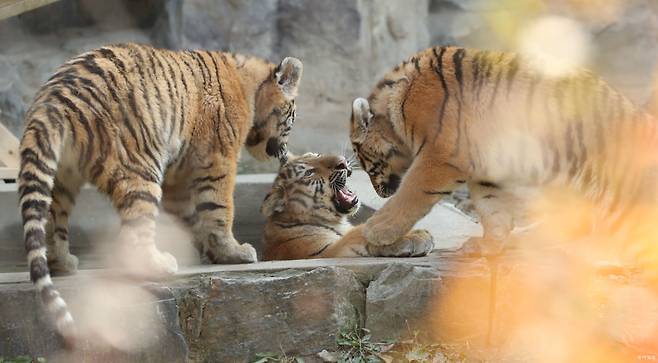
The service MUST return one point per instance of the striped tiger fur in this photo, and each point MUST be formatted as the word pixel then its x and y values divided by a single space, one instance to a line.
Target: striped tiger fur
pixel 136 121
pixel 307 213
pixel 449 115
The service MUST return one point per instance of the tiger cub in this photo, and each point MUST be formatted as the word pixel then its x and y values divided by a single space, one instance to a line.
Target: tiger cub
pixel 449 116
pixel 147 127
pixel 307 213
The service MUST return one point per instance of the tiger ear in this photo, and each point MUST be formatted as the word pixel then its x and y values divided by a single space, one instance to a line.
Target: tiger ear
pixel 288 75
pixel 361 115
pixel 273 203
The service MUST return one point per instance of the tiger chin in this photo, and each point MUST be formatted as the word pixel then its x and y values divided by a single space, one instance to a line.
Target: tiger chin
pixel 307 214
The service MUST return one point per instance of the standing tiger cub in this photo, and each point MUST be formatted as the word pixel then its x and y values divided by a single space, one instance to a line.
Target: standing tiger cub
pixel 494 120
pixel 307 213
pixel 136 121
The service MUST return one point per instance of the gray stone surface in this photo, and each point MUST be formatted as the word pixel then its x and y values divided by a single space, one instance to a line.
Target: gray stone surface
pixel 233 317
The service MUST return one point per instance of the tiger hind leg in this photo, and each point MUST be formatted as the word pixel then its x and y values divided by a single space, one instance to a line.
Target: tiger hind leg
pixel 66 189
pixel 137 202
pixel 494 206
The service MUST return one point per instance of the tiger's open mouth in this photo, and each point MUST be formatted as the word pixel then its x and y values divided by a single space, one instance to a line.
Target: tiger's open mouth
pixel 345 200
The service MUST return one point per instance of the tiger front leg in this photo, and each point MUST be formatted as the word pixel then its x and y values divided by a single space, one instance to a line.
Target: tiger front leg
pixel 212 194
pixel 423 186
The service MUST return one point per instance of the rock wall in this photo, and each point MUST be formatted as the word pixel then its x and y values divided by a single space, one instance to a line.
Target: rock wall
pixel 346 45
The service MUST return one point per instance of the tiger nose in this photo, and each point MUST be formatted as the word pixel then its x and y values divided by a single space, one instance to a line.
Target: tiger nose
pixel 342 164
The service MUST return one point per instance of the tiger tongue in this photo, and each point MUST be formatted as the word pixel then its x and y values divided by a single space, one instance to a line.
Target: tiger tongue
pixel 345 195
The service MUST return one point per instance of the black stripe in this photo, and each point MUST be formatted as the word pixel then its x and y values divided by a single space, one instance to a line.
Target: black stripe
pixel 209 178
pixel 133 196
pixel 446 96
pixel 321 250
pixel 208 206
pixel 296 237
pixel 34 188
pixel 55 118
pixel 83 120
pixel 40 206
pixel 109 54
pixel 29 156
pixel 513 69
pixel 38 268
pixel 203 67
pixel 488 184
pixel 41 134
pixel 150 55
pixel 487 63
pixel 222 95
pixel 173 93
pixel 475 69
pixel 28 177
pixel 457 59
pixel 318 225
pixel 496 85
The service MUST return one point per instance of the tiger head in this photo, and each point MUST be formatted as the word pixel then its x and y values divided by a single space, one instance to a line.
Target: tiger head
pixel 381 152
pixel 274 112
pixel 312 186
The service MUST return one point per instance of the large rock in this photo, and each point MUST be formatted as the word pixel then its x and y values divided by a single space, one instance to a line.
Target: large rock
pixel 231 317
pixel 446 304
pixel 344 44
pixel 34 44
pixel 117 322
pixel 240 26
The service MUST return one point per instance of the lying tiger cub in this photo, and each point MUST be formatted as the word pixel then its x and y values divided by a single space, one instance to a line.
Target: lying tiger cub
pixel 307 213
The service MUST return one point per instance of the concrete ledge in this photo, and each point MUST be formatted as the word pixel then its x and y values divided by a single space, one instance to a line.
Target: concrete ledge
pixel 223 312
pixel 232 312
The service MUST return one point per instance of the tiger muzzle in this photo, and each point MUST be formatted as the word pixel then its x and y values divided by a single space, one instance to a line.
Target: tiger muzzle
pixel 276 148
pixel 345 200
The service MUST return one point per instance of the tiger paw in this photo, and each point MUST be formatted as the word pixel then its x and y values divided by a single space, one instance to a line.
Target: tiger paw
pixel 416 243
pixel 380 234
pixel 150 263
pixel 63 265
pixel 481 247
pixel 232 253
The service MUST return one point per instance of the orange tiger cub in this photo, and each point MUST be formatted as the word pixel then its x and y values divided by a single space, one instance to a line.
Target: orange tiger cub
pixel 307 213
pixel 493 120
pixel 147 127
